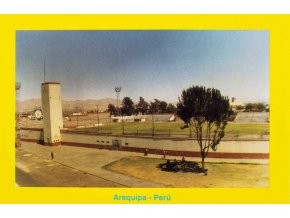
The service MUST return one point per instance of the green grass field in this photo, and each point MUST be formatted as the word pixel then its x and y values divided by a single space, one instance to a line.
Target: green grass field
pixel 174 128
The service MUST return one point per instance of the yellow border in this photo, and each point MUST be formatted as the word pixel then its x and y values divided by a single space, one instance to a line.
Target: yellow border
pixel 278 25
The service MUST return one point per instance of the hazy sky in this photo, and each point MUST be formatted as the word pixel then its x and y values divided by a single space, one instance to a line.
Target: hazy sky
pixel 151 64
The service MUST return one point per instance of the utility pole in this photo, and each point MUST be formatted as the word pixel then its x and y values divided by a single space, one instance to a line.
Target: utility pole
pixel 123 131
pixel 77 117
pixel 44 71
pixel 153 126
pixel 98 117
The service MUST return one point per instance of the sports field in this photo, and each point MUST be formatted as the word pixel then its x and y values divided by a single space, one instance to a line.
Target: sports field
pixel 174 129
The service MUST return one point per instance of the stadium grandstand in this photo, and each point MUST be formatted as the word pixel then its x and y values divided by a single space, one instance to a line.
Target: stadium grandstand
pixel 252 117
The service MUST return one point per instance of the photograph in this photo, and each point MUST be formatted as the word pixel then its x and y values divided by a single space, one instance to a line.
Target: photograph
pixel 142 108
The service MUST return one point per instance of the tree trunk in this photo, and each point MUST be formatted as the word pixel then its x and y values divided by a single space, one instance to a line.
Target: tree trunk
pixel 202 162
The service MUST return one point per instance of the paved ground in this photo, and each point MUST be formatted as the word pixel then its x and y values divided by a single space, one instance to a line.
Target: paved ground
pixel 82 167
pixel 32 170
pixel 71 167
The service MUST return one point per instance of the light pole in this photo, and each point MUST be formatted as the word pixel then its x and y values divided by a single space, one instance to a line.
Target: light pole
pixel 118 90
pixel 98 117
pixel 77 116
pixel 18 139
pixel 122 124
pixel 153 127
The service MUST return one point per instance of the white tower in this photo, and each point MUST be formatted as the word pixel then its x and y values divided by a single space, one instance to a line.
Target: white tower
pixel 52 113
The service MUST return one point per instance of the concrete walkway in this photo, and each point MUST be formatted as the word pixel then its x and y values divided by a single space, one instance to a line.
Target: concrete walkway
pixel 88 160
pixel 34 171
pixel 91 161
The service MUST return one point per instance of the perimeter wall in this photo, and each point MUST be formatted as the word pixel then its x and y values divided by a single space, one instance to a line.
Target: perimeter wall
pixel 234 149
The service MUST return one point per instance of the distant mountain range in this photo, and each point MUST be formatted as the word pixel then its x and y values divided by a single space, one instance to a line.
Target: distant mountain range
pixel 83 105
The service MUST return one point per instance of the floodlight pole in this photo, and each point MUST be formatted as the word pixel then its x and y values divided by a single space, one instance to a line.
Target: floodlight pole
pixel 44 71
pixel 118 90
pixel 123 131
pixel 153 127
pixel 77 116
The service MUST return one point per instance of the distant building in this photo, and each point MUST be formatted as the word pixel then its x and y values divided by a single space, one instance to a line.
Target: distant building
pixel 77 114
pixel 132 118
pixel 144 118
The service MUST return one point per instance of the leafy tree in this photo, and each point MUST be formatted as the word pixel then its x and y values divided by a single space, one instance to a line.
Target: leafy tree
pixel 205 111
pixel 250 107
pixel 261 107
pixel 112 109
pixel 158 106
pixel 162 106
pixel 255 107
pixel 154 106
pixel 171 108
pixel 267 109
pixel 239 107
pixel 142 106
pixel 127 106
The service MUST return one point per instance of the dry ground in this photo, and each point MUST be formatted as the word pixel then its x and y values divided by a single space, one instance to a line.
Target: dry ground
pixel 219 174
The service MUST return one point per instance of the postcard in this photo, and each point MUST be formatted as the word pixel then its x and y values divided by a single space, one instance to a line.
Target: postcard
pixel 189 109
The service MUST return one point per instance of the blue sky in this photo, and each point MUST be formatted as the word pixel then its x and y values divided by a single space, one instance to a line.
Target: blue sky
pixel 151 64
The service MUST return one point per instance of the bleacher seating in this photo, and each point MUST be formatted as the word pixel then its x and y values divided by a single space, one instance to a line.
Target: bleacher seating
pixel 252 117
